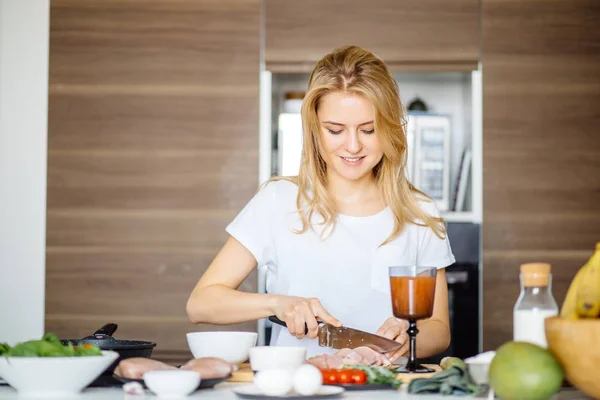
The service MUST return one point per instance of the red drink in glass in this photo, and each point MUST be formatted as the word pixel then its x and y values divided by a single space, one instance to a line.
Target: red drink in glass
pixel 413 293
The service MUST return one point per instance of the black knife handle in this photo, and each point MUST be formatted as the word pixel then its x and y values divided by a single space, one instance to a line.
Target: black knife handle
pixel 276 320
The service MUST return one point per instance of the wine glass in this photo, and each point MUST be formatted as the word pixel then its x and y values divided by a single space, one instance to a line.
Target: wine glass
pixel 413 291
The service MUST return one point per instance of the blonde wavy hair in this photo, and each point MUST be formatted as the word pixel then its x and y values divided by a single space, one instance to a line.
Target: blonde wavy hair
pixel 357 71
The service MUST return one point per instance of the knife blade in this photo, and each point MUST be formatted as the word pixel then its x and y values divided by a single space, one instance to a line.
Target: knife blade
pixel 344 337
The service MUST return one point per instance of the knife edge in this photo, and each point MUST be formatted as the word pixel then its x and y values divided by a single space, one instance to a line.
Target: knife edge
pixel 333 337
pixel 345 337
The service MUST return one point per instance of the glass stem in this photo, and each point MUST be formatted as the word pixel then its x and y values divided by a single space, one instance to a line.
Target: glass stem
pixel 412 334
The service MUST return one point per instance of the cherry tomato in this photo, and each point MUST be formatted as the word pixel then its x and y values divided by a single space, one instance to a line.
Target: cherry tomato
pixel 358 377
pixel 329 377
pixel 344 376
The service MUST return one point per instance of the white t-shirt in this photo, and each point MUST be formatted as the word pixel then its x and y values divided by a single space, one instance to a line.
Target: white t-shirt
pixel 346 271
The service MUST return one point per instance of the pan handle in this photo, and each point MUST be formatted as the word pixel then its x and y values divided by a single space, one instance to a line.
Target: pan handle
pixel 107 329
pixel 274 319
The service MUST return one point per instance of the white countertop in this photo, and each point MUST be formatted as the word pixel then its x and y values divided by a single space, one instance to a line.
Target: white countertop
pixel 224 391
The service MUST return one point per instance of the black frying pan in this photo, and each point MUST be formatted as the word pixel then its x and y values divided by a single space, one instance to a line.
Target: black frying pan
pixel 126 348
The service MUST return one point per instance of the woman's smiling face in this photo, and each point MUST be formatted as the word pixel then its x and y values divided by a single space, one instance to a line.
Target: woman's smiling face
pixel 351 146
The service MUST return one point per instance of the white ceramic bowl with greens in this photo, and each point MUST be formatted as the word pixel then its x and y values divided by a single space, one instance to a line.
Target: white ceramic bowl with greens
pixel 54 376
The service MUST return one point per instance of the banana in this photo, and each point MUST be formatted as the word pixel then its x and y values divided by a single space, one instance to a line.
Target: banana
pixel 588 293
pixel 569 308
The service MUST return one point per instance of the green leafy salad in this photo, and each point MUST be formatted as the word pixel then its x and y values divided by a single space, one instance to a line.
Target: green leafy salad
pixel 377 375
pixel 48 346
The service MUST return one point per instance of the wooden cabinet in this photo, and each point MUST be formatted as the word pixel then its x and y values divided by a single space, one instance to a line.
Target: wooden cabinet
pixel 153 138
pixel 541 176
pixel 408 34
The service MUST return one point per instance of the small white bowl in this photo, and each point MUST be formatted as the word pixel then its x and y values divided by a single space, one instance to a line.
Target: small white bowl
pixel 479 372
pixel 272 357
pixel 170 384
pixel 478 367
pixel 227 345
pixel 54 376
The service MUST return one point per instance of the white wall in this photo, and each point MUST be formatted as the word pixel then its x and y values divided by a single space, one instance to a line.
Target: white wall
pixel 24 35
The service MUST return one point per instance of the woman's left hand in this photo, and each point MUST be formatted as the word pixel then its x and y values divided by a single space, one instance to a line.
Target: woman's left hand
pixel 395 329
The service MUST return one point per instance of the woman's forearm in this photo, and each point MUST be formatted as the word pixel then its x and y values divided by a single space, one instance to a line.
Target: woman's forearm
pixel 218 304
pixel 433 338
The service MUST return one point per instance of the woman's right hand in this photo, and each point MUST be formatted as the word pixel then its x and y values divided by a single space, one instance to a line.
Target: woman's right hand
pixel 298 311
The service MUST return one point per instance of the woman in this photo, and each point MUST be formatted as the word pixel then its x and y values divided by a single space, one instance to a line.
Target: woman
pixel 328 236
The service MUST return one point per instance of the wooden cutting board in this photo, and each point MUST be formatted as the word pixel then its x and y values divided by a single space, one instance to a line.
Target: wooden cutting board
pixel 245 374
pixel 406 377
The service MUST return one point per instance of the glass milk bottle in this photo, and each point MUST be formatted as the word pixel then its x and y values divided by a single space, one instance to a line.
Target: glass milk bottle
pixel 535 303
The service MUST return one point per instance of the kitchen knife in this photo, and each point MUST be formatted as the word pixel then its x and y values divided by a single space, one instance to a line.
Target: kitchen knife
pixel 344 337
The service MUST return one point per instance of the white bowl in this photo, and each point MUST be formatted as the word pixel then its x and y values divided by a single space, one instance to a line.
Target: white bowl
pixel 54 376
pixel 172 383
pixel 227 345
pixel 479 372
pixel 272 357
pixel 478 367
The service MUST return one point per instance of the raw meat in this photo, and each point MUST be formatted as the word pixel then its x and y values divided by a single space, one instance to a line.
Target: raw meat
pixel 360 355
pixel 134 368
pixel 327 361
pixel 210 367
pixel 372 357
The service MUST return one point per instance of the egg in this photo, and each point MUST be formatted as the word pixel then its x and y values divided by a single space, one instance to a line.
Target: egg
pixel 307 380
pixel 274 382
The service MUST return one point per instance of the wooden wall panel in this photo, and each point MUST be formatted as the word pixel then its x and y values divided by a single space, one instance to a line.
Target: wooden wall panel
pixel 541 174
pixel 138 228
pixel 174 180
pixel 148 122
pixel 155 43
pixel 132 286
pixel 417 33
pixel 153 149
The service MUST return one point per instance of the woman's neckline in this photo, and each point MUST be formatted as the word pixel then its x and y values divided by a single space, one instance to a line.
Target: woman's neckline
pixel 378 214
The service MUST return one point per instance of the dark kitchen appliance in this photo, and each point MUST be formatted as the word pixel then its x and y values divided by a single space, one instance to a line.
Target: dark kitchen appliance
pixel 463 292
